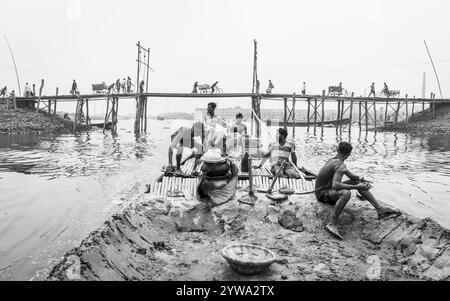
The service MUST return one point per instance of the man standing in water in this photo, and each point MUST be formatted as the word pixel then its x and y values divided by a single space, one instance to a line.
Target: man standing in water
pixel 190 138
pixel 332 191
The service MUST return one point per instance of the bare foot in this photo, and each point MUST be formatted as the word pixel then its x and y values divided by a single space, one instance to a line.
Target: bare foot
pixel 335 231
pixel 386 212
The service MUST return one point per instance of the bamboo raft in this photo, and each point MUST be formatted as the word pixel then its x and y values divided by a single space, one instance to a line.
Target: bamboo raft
pixel 262 180
pixel 188 186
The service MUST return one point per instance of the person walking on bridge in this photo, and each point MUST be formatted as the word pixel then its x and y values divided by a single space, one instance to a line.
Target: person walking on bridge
pixel 27 90
pixel 214 87
pixel 270 88
pixel 74 89
pixel 3 91
pixel 304 88
pixel 141 87
pixel 124 86
pixel 118 85
pixel 372 91
pixel 195 90
pixel 129 85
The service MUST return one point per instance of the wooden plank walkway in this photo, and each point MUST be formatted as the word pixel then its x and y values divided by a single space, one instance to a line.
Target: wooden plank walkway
pixel 276 97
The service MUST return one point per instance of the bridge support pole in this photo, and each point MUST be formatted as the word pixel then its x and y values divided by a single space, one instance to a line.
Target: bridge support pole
pixel 360 116
pixel 140 110
pixel 112 109
pixel 285 113
pixel 375 116
pixel 308 121
pixel 294 101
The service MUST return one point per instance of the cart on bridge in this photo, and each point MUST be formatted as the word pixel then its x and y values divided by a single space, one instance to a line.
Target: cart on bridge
pixel 337 91
pixel 389 93
pixel 100 88
pixel 207 89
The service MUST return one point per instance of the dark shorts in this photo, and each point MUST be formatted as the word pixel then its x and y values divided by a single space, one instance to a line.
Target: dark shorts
pixel 324 197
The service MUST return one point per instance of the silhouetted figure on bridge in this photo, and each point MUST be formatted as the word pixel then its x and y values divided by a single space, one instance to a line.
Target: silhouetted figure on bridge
pixel 270 88
pixel 3 92
pixel 214 87
pixel 195 90
pixel 372 91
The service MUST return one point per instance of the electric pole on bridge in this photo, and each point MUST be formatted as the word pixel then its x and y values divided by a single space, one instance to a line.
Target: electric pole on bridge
pixel 141 102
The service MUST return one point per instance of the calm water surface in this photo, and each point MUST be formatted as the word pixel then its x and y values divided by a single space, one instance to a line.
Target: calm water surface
pixel 54 191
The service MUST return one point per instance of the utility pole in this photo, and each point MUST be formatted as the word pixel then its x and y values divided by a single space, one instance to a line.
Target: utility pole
pixel 256 99
pixel 141 101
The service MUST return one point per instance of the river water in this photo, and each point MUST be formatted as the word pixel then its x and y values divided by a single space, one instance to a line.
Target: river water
pixel 54 191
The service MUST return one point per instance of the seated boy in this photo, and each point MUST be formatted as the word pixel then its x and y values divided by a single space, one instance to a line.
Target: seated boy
pixel 280 152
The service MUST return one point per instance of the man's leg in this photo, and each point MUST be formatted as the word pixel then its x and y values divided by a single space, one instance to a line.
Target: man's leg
pixel 275 169
pixel 367 195
pixel 341 197
pixel 179 156
pixel 290 172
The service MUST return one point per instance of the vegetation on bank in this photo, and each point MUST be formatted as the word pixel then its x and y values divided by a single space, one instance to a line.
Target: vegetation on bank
pixel 424 124
pixel 28 121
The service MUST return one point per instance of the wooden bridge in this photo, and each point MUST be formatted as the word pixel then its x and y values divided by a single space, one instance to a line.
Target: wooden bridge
pixel 347 106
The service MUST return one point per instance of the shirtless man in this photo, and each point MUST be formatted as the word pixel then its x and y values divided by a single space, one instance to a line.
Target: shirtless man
pixel 332 191
pixel 186 137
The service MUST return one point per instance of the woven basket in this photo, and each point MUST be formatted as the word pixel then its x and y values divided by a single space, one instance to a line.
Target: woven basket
pixel 248 259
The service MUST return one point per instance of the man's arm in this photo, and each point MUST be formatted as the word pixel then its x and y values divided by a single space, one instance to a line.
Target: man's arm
pixel 294 158
pixel 352 176
pixel 342 170
pixel 337 182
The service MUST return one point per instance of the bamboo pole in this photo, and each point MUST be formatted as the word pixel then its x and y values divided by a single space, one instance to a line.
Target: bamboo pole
pixel 309 114
pixel 107 113
pixel 375 116
pixel 285 113
pixel 293 116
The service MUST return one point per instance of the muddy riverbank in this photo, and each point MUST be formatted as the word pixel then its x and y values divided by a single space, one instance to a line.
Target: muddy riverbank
pixel 425 124
pixel 181 239
pixel 28 121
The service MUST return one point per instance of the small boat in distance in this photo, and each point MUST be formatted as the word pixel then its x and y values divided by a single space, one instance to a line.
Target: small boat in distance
pixel 160 117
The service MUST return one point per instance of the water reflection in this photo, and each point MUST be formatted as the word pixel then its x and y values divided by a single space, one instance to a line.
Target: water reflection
pixel 69 156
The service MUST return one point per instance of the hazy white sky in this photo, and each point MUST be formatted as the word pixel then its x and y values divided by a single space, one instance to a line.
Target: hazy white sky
pixel 322 42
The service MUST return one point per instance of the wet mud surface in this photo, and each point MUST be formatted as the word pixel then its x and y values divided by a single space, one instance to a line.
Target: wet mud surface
pixel 180 239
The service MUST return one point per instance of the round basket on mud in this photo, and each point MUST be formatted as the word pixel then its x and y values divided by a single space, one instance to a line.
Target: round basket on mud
pixel 248 259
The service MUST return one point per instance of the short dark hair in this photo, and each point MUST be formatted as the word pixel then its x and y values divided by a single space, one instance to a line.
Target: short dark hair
pixel 213 105
pixel 239 116
pixel 345 148
pixel 283 132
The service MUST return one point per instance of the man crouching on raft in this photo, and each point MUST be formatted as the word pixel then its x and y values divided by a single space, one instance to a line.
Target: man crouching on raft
pixel 332 191
pixel 279 152
pixel 186 137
